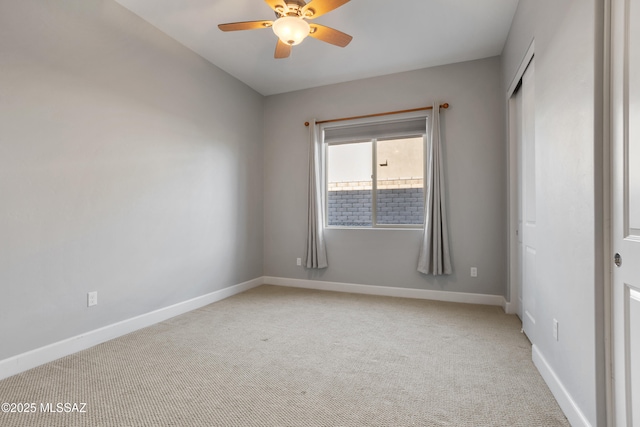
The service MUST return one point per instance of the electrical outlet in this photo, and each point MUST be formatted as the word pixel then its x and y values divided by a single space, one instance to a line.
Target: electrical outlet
pixel 92 298
pixel 474 271
pixel 555 329
pixel 298 261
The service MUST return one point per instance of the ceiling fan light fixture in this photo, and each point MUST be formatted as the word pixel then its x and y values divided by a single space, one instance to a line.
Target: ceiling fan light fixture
pixel 291 29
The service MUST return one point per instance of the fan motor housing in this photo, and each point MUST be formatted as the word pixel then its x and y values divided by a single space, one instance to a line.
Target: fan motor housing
pixel 294 6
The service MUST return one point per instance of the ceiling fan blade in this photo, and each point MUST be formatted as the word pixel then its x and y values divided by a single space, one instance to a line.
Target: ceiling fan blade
pixel 283 50
pixel 320 7
pixel 248 25
pixel 277 4
pixel 329 35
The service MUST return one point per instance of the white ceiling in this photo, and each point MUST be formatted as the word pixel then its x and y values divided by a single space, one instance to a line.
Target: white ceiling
pixel 388 37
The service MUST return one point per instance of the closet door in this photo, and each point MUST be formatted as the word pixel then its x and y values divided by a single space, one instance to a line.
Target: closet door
pixel 527 181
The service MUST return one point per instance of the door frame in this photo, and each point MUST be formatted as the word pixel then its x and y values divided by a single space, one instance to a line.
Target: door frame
pixel 513 190
pixel 607 206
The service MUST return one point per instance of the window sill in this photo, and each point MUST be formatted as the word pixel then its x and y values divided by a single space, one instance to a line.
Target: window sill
pixel 406 228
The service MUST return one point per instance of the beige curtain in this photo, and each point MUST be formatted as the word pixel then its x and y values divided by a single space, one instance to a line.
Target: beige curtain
pixel 316 252
pixel 434 251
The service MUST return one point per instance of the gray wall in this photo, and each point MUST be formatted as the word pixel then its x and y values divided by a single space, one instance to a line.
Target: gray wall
pixel 128 166
pixel 475 161
pixel 568 112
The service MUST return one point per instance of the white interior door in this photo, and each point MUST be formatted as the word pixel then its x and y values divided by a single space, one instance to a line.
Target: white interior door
pixel 515 189
pixel 527 177
pixel 625 103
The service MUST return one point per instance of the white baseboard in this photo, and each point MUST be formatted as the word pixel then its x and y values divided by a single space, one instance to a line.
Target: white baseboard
pixel 23 362
pixel 508 307
pixel 389 291
pixel 567 404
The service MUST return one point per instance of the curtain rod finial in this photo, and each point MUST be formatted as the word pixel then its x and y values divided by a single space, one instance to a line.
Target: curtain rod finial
pixel 445 105
pixel 306 124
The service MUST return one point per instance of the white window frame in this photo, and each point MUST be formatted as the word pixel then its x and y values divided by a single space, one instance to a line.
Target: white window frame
pixel 377 120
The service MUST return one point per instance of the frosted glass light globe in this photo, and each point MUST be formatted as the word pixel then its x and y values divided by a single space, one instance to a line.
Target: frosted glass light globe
pixel 291 30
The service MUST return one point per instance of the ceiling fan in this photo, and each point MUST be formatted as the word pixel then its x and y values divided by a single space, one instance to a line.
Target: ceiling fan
pixel 291 26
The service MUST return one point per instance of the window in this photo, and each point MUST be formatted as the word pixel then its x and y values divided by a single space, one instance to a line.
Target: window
pixel 375 173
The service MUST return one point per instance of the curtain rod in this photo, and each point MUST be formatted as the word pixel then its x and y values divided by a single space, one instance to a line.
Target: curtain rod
pixel 445 106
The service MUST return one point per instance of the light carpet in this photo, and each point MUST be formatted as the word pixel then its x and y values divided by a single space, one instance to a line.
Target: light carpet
pixel 276 356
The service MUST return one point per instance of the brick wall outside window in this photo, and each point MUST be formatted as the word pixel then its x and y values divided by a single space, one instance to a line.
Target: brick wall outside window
pixel 400 201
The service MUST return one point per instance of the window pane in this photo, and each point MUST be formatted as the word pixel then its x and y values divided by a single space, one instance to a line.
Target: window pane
pixel 400 185
pixel 349 184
